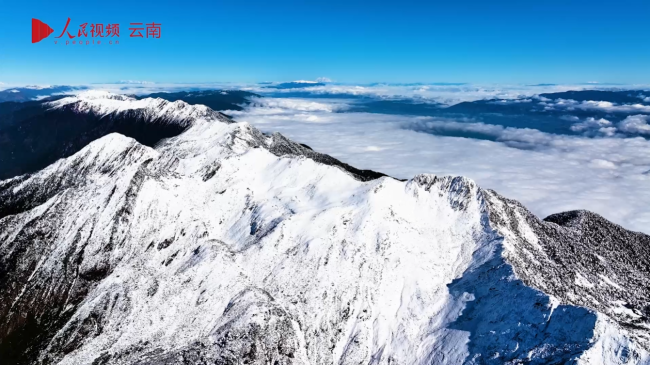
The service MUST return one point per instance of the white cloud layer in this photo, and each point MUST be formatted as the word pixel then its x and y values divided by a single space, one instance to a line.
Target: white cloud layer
pixel 595 127
pixel 448 94
pixel 548 173
pixel 636 124
pixel 445 94
pixel 592 127
pixel 604 106
pixel 279 105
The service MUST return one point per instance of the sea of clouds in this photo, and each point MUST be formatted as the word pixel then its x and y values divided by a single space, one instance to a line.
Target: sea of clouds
pixel 548 173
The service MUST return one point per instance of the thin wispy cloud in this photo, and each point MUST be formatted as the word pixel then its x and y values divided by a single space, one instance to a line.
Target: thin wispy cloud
pixel 138 82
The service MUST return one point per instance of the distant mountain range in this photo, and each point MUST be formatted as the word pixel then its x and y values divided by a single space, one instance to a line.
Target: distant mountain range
pixel 588 113
pixel 220 100
pixel 295 85
pixel 21 94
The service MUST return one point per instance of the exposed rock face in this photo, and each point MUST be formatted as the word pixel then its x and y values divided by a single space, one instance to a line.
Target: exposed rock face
pixel 222 245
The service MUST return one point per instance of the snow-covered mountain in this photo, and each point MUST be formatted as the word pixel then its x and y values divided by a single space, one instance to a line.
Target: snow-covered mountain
pixel 102 103
pixel 223 245
pixel 35 134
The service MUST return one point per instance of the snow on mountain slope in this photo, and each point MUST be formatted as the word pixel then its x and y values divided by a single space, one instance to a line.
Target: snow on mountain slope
pixel 223 245
pixel 104 103
pixel 36 134
pixel 582 259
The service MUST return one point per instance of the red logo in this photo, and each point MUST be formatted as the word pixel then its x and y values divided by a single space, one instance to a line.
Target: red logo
pixel 109 32
pixel 40 30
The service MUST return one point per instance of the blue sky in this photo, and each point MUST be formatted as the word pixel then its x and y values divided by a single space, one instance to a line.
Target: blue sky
pixel 499 41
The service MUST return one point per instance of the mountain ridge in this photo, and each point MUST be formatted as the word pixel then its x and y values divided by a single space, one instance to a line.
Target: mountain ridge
pixel 222 244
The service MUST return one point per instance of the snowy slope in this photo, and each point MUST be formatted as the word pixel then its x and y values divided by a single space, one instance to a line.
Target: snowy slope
pixel 36 134
pixel 223 245
pixel 104 103
pixel 582 259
